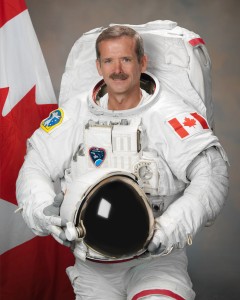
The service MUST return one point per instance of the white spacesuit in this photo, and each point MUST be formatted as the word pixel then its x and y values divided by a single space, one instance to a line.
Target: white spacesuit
pixel 177 161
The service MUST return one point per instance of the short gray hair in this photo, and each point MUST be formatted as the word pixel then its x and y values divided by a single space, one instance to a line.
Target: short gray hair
pixel 117 31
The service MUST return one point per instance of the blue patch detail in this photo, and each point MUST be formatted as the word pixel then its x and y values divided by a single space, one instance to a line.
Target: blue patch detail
pixel 55 118
pixel 97 155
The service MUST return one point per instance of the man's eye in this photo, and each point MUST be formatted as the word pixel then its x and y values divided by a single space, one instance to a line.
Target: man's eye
pixel 126 59
pixel 107 61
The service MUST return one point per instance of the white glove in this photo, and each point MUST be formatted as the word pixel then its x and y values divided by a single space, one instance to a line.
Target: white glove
pixel 80 250
pixel 168 236
pixel 47 217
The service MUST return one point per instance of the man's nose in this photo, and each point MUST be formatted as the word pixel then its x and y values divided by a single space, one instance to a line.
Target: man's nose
pixel 117 67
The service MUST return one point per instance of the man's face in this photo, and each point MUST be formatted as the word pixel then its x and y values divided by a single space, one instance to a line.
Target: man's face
pixel 119 65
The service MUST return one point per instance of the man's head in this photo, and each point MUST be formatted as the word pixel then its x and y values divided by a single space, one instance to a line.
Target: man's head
pixel 121 60
pixel 118 31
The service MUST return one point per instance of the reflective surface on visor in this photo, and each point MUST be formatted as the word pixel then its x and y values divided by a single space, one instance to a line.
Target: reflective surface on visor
pixel 116 218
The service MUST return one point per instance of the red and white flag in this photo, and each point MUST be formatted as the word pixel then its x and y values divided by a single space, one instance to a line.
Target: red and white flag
pixel 31 267
pixel 187 124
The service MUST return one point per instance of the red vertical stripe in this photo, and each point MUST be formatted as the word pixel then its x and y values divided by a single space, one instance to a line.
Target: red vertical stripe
pixel 196 42
pixel 201 120
pixel 177 126
pixel 10 9
pixel 157 292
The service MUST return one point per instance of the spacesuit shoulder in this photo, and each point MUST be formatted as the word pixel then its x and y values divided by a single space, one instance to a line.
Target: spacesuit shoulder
pixel 58 136
pixel 180 132
pixel 62 117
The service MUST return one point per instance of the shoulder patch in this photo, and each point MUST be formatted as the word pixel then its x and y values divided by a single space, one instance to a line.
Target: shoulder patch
pixel 54 119
pixel 188 124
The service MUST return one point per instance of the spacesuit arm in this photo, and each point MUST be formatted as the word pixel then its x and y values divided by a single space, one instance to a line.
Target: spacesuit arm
pixel 200 204
pixel 37 199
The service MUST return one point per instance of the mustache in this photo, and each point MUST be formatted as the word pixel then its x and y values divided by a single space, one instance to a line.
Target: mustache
pixel 121 76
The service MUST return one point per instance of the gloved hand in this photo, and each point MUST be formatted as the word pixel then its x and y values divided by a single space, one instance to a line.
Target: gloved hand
pixel 80 250
pixel 167 236
pixel 49 219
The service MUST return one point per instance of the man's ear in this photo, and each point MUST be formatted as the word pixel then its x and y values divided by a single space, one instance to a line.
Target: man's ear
pixel 98 65
pixel 144 63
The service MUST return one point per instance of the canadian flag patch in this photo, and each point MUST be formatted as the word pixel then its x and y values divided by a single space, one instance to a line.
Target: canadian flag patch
pixel 187 124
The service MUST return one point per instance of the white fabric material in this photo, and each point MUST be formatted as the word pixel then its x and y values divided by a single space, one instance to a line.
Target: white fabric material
pixel 200 204
pixel 40 192
pixel 35 188
pixel 41 217
pixel 158 137
pixel 123 281
pixel 42 165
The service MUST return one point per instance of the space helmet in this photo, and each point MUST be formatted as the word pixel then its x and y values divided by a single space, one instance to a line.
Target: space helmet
pixel 114 216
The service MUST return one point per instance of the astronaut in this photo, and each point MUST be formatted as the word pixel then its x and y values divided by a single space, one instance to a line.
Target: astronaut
pixel 130 128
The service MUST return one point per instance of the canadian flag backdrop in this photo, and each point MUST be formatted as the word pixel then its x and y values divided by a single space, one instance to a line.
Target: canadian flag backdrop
pixel 31 267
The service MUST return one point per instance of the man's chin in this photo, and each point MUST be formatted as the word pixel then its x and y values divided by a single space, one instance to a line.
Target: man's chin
pixel 118 91
pixel 118 87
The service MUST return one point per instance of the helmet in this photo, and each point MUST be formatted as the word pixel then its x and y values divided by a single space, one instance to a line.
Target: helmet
pixel 115 217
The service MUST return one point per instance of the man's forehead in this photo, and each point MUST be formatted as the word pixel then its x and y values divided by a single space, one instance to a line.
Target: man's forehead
pixel 115 45
pixel 123 40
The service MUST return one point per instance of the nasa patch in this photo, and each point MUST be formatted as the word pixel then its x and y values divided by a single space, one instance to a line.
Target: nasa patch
pixel 97 155
pixel 54 119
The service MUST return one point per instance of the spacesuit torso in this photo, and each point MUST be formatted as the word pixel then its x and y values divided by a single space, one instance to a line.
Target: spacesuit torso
pixel 142 141
pixel 125 137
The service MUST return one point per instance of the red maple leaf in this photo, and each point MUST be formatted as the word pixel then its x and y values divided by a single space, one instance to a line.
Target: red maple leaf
pixel 15 128
pixel 189 122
